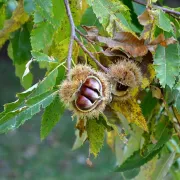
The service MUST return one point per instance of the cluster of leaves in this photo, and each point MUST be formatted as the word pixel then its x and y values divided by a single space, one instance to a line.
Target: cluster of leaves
pixel 39 31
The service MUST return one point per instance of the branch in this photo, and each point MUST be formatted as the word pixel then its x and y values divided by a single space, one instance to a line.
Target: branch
pixel 159 7
pixel 90 54
pixel 69 58
pixel 84 36
pixel 74 37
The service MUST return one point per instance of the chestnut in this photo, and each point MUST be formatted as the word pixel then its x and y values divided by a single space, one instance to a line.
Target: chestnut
pixel 86 92
pixel 89 95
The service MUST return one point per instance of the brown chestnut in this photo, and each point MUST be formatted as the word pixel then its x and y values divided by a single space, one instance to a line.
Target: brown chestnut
pixel 89 95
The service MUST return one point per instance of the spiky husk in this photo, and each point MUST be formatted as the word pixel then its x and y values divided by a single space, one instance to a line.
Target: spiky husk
pixel 69 88
pixel 128 74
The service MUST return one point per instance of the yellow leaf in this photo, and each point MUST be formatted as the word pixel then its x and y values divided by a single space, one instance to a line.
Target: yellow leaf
pixel 18 18
pixel 132 111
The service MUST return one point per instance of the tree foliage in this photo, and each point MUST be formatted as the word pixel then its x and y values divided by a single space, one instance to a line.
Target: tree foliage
pixel 143 130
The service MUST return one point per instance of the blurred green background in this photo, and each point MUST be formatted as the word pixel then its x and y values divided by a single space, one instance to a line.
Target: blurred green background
pixel 23 155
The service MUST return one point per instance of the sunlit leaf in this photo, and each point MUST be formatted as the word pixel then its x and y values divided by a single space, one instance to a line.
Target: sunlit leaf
pixel 95 132
pixel 167 63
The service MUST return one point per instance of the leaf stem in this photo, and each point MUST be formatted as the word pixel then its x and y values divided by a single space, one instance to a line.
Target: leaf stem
pixel 69 58
pixel 74 37
pixel 170 11
pixel 90 54
pixel 84 36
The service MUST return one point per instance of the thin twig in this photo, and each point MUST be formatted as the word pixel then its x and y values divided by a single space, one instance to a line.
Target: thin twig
pixel 90 54
pixel 159 7
pixel 69 58
pixel 84 36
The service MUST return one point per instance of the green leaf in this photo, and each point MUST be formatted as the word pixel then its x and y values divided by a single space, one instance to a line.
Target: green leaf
pixel 42 57
pixel 147 170
pixel 15 118
pixel 90 19
pixel 51 116
pixel 163 21
pixel 136 160
pixel 2 17
pixel 58 11
pixel 167 63
pixel 48 82
pixel 29 6
pixel 21 45
pixel 112 14
pixel 147 107
pixel 26 82
pixel 41 36
pixel 163 165
pixel 79 140
pixel 95 131
pixel 131 173
pixel 163 132
pixel 14 105
pixel 43 10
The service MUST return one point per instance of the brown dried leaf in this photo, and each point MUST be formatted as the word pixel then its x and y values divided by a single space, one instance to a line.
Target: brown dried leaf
pixel 147 20
pixel 127 42
pixel 92 32
pixel 80 126
pixel 162 41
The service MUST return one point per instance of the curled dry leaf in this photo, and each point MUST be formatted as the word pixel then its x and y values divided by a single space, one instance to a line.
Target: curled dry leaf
pixel 127 42
pixel 131 45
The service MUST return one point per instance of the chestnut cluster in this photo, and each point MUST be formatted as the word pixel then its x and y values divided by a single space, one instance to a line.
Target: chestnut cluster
pixel 87 92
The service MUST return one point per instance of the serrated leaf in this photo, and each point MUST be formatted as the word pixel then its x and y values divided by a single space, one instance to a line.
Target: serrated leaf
pixel 95 132
pixel 59 49
pixel 89 18
pixel 14 105
pixel 167 63
pixel 132 111
pixel 136 160
pixel 112 14
pixel 15 118
pixel 51 116
pixel 38 56
pixel 43 10
pixel 48 82
pixel 41 36
pixel 163 165
pixel 163 21
pixel 163 132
